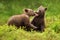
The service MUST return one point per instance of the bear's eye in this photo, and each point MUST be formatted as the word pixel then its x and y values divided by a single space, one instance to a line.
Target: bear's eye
pixel 39 10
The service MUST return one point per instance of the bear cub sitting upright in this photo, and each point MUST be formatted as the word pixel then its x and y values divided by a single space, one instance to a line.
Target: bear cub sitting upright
pixel 23 19
pixel 38 21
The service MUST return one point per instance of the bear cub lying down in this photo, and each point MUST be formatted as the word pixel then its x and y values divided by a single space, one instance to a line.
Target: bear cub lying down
pixel 23 19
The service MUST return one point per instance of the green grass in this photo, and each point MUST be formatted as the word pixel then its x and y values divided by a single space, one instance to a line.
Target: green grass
pixel 12 33
pixel 13 7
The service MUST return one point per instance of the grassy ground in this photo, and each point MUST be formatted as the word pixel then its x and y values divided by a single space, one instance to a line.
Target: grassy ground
pixel 13 7
pixel 11 33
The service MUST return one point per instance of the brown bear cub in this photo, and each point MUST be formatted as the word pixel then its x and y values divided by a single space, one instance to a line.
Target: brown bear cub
pixel 38 21
pixel 23 19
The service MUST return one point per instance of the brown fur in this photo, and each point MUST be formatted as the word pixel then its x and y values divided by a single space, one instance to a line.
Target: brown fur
pixel 38 21
pixel 22 20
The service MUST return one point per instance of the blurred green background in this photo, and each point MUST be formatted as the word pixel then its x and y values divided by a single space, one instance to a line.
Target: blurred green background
pixel 13 7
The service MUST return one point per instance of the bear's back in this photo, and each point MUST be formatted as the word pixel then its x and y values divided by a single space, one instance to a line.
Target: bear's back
pixel 18 20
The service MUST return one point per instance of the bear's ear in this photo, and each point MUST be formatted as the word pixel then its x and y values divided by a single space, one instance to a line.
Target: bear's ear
pixel 26 10
pixel 45 9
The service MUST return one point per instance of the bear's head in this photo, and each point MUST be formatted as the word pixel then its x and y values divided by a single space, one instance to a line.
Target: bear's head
pixel 41 11
pixel 30 12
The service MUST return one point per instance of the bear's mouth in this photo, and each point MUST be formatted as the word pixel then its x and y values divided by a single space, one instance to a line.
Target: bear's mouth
pixel 36 15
